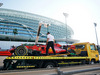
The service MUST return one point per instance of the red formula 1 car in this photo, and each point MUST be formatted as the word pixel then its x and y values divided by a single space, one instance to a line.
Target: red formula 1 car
pixel 35 50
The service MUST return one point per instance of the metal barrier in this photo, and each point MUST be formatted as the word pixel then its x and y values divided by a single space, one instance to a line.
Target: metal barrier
pixel 75 71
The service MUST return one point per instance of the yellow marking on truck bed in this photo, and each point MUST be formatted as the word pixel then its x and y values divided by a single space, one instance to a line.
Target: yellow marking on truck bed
pixel 70 63
pixel 20 57
pixel 35 57
pixel 24 66
pixel 44 57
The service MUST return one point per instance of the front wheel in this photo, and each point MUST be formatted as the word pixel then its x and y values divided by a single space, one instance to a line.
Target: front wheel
pixel 92 62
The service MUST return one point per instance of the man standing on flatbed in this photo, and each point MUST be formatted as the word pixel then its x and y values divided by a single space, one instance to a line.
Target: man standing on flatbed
pixel 50 43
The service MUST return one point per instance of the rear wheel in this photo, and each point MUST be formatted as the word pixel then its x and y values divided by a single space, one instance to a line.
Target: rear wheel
pixel 49 65
pixel 21 51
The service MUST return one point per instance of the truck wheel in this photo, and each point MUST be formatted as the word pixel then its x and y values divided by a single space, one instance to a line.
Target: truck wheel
pixel 92 62
pixel 21 51
pixel 49 65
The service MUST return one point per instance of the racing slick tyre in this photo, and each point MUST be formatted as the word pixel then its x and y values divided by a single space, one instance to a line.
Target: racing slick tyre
pixel 21 51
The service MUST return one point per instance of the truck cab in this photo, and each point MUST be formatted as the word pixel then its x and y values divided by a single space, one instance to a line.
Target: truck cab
pixel 87 49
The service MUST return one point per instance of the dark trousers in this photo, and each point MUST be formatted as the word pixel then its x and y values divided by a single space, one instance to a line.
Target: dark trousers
pixel 50 44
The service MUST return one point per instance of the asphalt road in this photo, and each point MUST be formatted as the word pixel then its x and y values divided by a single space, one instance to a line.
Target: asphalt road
pixel 54 71
pixel 1 60
pixel 97 72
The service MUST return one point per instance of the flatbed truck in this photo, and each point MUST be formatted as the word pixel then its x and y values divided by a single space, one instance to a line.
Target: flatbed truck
pixel 85 53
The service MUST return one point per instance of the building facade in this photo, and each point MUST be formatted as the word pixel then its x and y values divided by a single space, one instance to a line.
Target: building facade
pixel 26 24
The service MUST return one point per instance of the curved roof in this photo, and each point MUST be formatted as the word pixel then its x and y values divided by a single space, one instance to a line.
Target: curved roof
pixel 31 21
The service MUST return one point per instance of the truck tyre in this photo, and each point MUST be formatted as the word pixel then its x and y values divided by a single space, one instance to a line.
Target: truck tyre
pixel 92 62
pixel 21 51
pixel 49 65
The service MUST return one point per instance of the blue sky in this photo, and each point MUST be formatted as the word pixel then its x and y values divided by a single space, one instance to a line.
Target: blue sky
pixel 82 14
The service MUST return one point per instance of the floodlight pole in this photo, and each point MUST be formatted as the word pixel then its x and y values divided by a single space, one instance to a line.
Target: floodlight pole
pixel 96 33
pixel 66 15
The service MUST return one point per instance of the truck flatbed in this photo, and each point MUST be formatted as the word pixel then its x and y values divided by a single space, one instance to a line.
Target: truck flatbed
pixel 45 57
